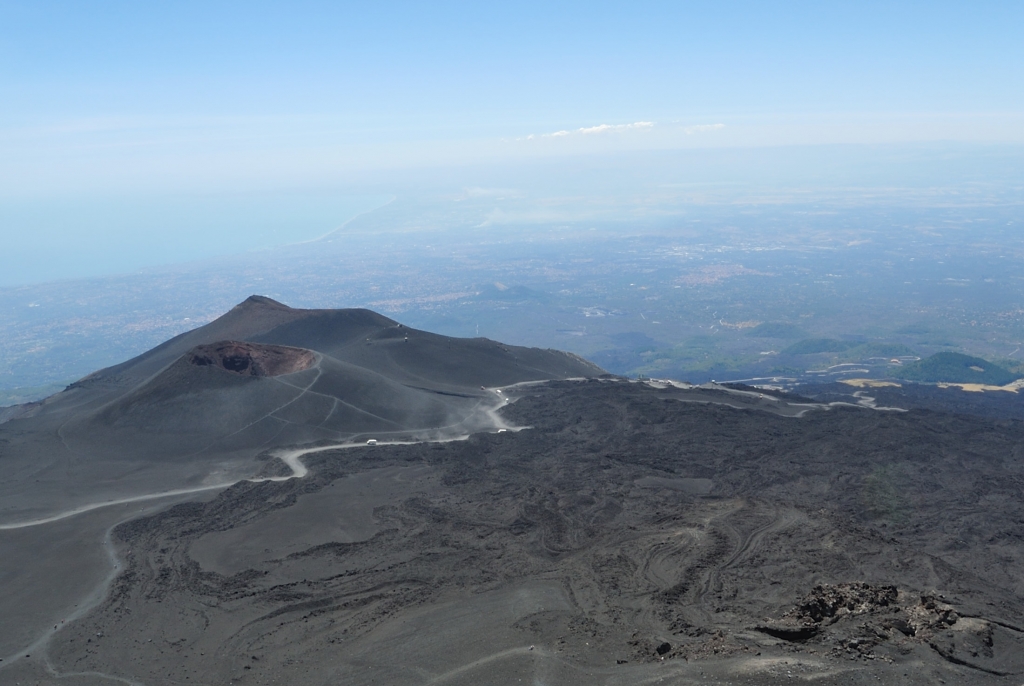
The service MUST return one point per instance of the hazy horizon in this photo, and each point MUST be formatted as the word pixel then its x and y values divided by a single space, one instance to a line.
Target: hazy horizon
pixel 88 235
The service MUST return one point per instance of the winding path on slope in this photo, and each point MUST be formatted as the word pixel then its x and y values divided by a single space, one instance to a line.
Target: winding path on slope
pixel 292 458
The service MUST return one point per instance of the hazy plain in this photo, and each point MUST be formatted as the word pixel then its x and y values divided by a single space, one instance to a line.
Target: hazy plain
pixel 634 262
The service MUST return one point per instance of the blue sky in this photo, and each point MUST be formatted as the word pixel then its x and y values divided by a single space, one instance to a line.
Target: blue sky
pixel 103 94
pixel 108 106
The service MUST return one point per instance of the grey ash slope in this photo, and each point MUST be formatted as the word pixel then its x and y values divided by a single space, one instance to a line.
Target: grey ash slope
pixel 193 411
pixel 342 334
pixel 637 533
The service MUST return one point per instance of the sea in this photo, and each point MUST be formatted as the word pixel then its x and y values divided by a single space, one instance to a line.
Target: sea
pixel 51 239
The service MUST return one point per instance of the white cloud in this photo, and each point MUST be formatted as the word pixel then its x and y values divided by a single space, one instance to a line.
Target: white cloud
pixel 590 130
pixel 606 128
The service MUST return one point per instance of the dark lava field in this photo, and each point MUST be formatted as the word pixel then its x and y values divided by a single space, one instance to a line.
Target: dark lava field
pixel 559 527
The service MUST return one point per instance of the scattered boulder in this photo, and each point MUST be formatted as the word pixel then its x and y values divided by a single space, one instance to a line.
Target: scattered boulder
pixel 828 603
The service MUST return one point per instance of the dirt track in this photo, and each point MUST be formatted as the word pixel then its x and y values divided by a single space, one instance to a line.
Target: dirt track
pixel 626 537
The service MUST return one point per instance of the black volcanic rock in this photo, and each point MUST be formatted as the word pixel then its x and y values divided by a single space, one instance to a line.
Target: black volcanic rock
pixel 845 543
pixel 909 395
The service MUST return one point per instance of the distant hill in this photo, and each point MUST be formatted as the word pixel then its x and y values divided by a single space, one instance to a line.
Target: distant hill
pixel 810 346
pixel 777 330
pixel 882 350
pixel 953 367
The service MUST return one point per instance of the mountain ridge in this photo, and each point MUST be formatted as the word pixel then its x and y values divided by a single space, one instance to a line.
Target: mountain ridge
pixel 160 418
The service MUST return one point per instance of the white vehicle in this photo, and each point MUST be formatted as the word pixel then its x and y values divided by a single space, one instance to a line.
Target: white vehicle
pixel 372 441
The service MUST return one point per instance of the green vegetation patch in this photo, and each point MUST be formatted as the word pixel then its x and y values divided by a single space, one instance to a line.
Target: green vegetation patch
pixel 810 346
pixel 882 350
pixel 915 329
pixel 953 367
pixel 777 330
pixel 1015 367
